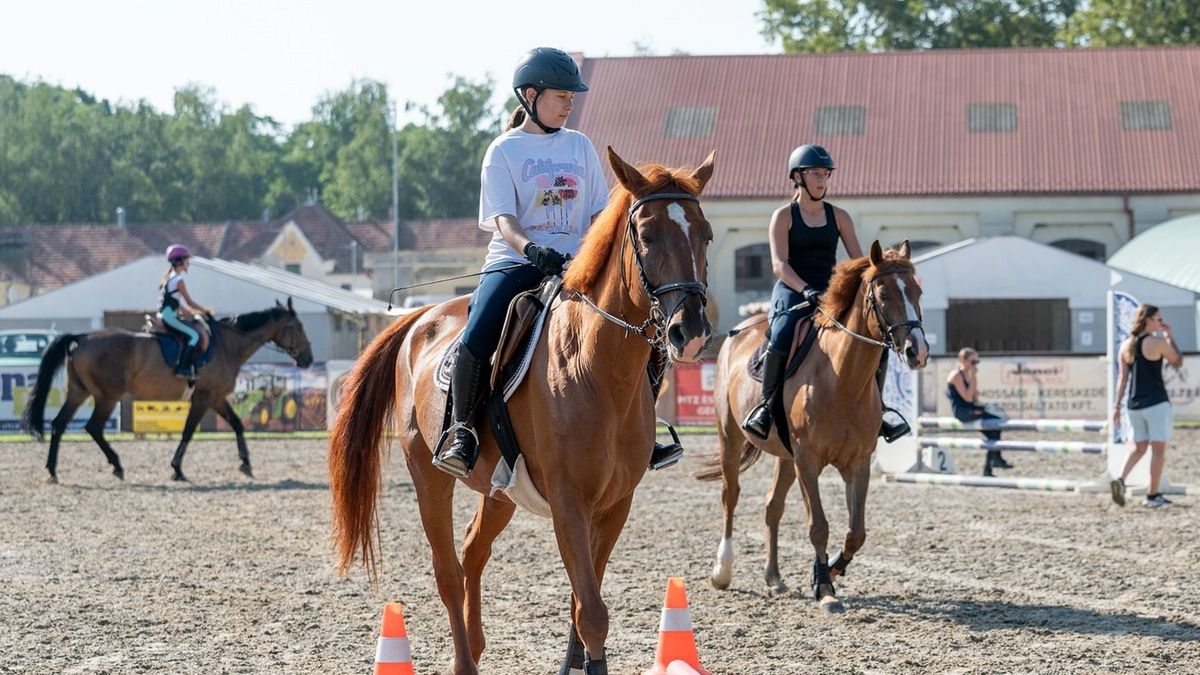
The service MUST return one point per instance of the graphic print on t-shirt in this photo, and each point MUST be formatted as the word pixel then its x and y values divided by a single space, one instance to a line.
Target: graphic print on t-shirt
pixel 557 193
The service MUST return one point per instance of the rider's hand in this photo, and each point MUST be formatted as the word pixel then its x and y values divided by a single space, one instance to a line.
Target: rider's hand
pixel 548 261
pixel 811 295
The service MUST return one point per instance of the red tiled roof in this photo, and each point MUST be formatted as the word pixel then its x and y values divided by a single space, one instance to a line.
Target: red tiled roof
pixel 202 239
pixel 327 234
pixel 373 237
pixel 1068 138
pixel 425 235
pixel 60 254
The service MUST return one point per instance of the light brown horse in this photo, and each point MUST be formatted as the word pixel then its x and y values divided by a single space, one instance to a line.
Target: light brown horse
pixel 832 406
pixel 106 364
pixel 583 416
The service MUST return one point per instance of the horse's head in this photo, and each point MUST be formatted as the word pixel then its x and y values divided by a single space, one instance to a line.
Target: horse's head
pixel 289 335
pixel 670 237
pixel 894 297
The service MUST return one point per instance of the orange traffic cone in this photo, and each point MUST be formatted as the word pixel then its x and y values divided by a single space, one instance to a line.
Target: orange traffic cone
pixel 392 654
pixel 676 642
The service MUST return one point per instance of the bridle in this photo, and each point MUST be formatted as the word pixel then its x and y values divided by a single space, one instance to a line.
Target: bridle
pixel 658 318
pixel 888 329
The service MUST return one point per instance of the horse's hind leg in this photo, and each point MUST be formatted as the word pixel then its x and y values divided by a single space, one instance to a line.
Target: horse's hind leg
pixel 818 533
pixel 856 502
pixel 491 517
pixel 225 410
pixel 435 501
pixel 722 573
pixel 781 483
pixel 95 428
pixel 76 395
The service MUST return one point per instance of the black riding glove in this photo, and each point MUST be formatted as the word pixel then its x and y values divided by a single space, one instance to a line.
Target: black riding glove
pixel 547 260
pixel 811 295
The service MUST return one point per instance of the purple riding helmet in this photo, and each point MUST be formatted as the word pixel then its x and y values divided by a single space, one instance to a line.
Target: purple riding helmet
pixel 177 252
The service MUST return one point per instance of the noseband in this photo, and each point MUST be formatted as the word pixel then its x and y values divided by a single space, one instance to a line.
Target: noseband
pixel 658 318
pixel 888 329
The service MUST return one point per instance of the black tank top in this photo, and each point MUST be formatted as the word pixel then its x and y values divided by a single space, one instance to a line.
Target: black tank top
pixel 812 251
pixel 1146 388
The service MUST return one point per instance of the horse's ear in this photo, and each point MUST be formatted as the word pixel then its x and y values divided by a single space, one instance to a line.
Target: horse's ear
pixel 278 303
pixel 289 305
pixel 702 174
pixel 630 178
pixel 905 250
pixel 876 254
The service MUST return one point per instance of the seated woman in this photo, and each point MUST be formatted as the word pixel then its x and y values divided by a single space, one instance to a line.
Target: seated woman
pixel 963 390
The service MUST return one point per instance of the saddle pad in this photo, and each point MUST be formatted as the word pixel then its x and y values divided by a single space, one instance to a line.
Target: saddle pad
pixel 170 345
pixel 515 370
pixel 806 335
pixel 518 486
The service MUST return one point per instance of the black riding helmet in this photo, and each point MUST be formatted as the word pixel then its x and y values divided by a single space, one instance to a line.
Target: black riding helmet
pixel 808 157
pixel 545 68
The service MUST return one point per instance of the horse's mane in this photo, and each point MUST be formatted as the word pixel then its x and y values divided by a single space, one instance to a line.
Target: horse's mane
pixel 587 266
pixel 847 279
pixel 252 321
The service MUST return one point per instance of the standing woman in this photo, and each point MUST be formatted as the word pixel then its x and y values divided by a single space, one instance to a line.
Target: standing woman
pixel 962 388
pixel 176 303
pixel 1150 411
pixel 804 236
pixel 542 186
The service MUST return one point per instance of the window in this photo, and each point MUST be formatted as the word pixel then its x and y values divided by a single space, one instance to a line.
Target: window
pixel 1044 325
pixel 841 120
pixel 991 117
pixel 753 268
pixel 1084 247
pixel 689 122
pixel 1145 115
pixel 292 267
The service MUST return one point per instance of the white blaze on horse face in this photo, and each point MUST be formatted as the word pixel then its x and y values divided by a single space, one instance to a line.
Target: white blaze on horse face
pixel 676 213
pixel 918 334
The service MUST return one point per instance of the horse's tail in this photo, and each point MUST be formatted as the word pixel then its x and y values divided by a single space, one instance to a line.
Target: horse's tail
pixel 34 418
pixel 710 469
pixel 365 412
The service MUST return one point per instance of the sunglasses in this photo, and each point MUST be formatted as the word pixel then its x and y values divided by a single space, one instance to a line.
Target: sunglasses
pixel 974 362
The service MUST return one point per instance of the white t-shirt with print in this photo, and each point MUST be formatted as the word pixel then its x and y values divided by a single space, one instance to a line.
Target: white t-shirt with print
pixel 551 183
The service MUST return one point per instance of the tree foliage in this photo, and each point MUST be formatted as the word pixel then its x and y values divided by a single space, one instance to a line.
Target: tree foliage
pixel 885 25
pixel 67 157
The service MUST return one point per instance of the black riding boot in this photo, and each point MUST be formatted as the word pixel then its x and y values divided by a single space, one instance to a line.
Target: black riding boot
pixel 758 422
pixel 887 430
pixel 668 455
pixel 184 369
pixel 467 388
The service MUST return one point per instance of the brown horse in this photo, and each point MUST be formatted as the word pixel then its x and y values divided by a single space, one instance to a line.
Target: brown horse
pixel 106 364
pixel 832 406
pixel 583 416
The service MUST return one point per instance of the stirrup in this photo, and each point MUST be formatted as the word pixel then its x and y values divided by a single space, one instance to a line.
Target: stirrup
pixel 439 460
pixel 749 423
pixel 890 432
pixel 668 455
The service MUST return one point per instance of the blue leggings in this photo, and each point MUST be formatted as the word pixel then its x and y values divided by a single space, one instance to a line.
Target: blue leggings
pixel 489 303
pixel 170 316
pixel 783 323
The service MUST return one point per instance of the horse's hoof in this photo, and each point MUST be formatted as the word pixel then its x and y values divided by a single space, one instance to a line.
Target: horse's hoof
pixel 831 605
pixel 720 583
pixel 776 588
pixel 179 477
pixel 119 473
pixel 245 469
pixel 51 480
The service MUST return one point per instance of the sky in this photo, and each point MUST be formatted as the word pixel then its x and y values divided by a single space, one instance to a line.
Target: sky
pixel 281 57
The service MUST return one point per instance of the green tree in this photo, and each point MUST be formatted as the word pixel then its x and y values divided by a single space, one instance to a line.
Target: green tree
pixel 1111 23
pixel 882 25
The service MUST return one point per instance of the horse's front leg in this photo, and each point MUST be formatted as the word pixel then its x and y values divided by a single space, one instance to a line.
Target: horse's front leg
pixel 857 481
pixel 574 531
pixel 195 414
pixel 491 517
pixel 818 532
pixel 225 410
pixel 785 476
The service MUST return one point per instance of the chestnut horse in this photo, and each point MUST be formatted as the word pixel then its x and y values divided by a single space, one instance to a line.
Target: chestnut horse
pixel 583 416
pixel 832 406
pixel 106 364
